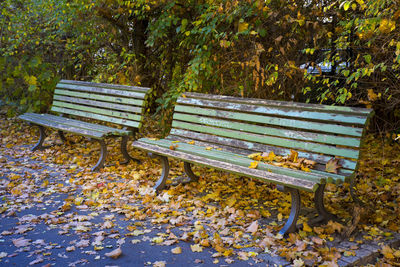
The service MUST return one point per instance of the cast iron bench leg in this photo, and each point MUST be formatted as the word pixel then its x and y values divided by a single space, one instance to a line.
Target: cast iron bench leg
pixel 323 215
pixel 160 184
pixel 62 136
pixel 290 225
pixel 124 151
pixel 103 154
pixel 42 136
pixel 188 170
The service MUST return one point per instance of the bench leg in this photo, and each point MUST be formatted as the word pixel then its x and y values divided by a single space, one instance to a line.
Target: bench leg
pixel 290 225
pixel 323 215
pixel 103 155
pixel 42 135
pixel 188 170
pixel 124 151
pixel 160 184
pixel 62 136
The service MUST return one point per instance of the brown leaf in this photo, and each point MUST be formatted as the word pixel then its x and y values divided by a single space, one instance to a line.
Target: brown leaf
pixel 253 228
pixel 21 242
pixel 114 254
pixel 333 165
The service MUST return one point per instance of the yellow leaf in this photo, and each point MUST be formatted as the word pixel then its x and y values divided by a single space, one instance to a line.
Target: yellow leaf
pixel 175 141
pixel 157 239
pixel 270 157
pixel 196 248
pixel 280 216
pixel 191 142
pixel 243 26
pixel 371 95
pixel 293 156
pixel 209 148
pixel 177 250
pixel 31 80
pixel 255 156
pixel 253 165
pixel 306 228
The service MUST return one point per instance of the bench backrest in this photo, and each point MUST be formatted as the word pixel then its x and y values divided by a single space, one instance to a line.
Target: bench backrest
pixel 118 104
pixel 245 126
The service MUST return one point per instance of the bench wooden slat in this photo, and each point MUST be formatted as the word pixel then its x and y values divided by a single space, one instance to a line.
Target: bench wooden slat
pixel 63 127
pixel 106 105
pixel 80 124
pixel 285 133
pixel 249 147
pixel 282 122
pixel 101 90
pixel 106 98
pixel 291 105
pixel 277 111
pixel 89 115
pixel 107 85
pixel 296 145
pixel 111 113
pixel 346 170
pixel 238 159
pixel 221 165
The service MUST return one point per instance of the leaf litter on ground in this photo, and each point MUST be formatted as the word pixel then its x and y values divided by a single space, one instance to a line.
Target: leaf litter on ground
pixel 222 211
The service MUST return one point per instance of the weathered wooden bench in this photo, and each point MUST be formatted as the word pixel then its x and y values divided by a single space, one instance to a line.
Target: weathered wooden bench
pixel 77 101
pixel 237 127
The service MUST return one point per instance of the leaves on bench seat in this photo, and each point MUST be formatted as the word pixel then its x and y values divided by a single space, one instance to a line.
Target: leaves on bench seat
pixel 290 161
pixel 333 165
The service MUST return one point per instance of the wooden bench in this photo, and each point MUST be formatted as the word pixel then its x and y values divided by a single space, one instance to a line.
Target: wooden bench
pixel 236 127
pixel 77 101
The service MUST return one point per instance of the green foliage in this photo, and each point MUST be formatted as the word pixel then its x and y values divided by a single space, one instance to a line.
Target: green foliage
pixel 248 48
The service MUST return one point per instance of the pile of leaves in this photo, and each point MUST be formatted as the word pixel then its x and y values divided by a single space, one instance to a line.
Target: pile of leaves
pixel 238 218
pixel 290 161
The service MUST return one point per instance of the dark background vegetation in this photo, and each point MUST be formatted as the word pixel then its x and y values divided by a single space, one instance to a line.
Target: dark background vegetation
pixel 242 48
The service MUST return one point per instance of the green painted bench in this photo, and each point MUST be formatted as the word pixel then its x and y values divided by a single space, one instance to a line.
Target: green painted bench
pixel 236 127
pixel 77 101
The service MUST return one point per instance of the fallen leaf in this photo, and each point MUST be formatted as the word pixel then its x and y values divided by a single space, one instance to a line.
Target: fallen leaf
pixel 196 248
pixel 253 165
pixel 21 242
pixel 177 250
pixel 253 228
pixel 332 165
pixel 114 254
pixel 159 264
pixel 70 248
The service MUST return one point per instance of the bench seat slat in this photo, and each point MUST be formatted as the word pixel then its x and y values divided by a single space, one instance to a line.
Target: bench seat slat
pixel 314 175
pixel 105 98
pixel 89 115
pixel 282 122
pixel 80 124
pixel 111 113
pixel 291 105
pixel 247 148
pixel 101 90
pixel 318 168
pixel 107 85
pixel 286 133
pixel 105 105
pixel 241 160
pixel 221 165
pixel 277 111
pixel 296 145
pixel 63 127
